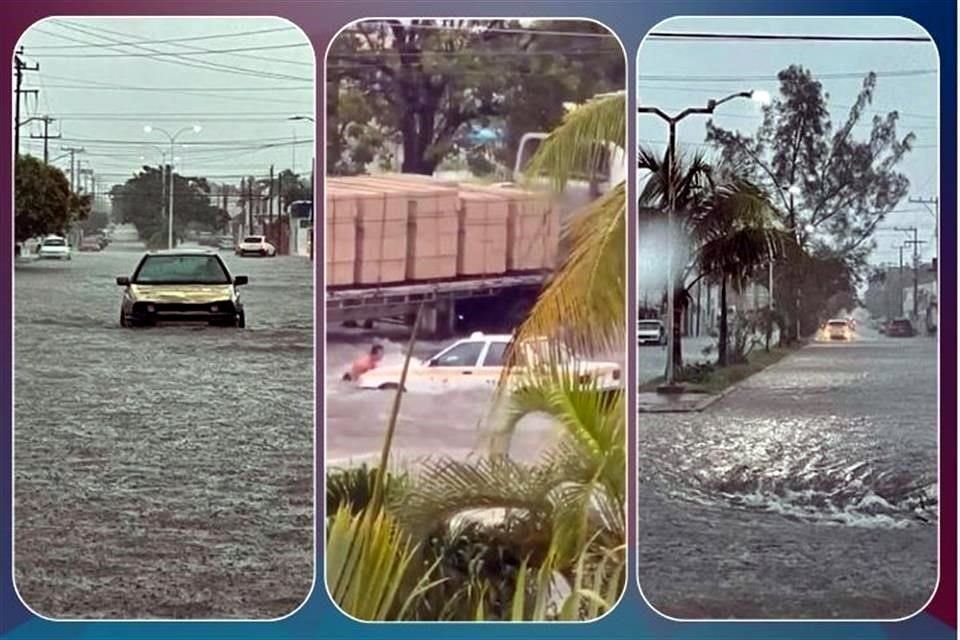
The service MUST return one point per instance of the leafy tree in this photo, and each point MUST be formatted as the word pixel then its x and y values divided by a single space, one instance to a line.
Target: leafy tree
pixel 844 186
pixel 143 201
pixel 423 83
pixel 43 201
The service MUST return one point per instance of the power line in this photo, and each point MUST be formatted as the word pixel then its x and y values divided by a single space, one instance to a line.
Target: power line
pixel 175 54
pixel 185 46
pixel 684 35
pixel 770 78
pixel 478 27
pixel 179 60
pixel 163 41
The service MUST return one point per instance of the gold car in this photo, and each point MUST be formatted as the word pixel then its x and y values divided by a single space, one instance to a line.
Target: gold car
pixel 181 286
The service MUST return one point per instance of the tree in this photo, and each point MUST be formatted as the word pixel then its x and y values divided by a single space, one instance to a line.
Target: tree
pixel 143 201
pixel 423 83
pixel 43 202
pixel 96 222
pixel 844 186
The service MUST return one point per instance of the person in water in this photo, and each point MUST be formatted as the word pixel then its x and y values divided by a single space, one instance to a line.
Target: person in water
pixel 365 363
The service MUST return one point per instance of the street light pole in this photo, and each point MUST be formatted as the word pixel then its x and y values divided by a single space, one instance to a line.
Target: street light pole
pixel 173 138
pixel 672 121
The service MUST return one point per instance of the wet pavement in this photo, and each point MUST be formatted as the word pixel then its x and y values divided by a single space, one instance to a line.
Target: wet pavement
pixel 808 492
pixel 163 472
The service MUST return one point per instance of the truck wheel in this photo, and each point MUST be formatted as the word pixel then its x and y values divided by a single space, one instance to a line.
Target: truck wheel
pixel 123 320
pixel 241 320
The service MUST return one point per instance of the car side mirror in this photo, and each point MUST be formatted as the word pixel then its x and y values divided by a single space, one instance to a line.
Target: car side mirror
pixel 123 281
pixel 432 362
pixel 240 280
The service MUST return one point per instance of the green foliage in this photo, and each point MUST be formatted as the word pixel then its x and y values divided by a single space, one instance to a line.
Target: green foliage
pixel 423 87
pixel 43 202
pixel 143 200
pixel 354 486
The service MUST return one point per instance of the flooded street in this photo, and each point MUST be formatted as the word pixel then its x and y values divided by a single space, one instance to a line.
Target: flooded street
pixel 163 472
pixel 452 421
pixel 810 491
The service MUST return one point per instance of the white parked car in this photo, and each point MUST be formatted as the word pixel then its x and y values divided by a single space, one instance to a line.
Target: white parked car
pixel 256 246
pixel 651 332
pixel 479 359
pixel 54 248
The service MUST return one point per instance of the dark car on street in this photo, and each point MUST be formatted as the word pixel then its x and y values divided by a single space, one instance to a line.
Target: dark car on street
pixel 900 328
pixel 181 286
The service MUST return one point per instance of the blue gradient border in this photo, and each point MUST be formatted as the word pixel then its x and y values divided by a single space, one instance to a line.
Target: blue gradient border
pixel 632 619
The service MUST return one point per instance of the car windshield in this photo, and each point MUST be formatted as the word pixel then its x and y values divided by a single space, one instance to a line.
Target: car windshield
pixel 186 269
pixel 838 323
pixel 253 239
pixel 649 324
pixel 54 242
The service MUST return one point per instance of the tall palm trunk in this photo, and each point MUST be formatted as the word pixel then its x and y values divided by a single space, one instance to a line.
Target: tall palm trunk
pixel 722 347
pixel 677 330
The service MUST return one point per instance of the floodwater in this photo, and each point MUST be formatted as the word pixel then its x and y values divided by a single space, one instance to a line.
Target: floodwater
pixel 433 421
pixel 163 472
pixel 810 491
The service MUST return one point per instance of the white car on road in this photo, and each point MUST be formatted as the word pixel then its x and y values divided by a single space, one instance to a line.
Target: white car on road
pixel 479 360
pixel 54 248
pixel 256 246
pixel 651 332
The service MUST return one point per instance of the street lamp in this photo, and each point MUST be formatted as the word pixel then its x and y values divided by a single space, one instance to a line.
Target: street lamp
pixel 173 138
pixel 761 97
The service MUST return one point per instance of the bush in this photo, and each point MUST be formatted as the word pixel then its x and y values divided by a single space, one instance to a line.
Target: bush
pixel 354 486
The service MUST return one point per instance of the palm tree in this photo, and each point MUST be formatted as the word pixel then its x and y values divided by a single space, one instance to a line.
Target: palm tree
pixel 728 224
pixel 735 234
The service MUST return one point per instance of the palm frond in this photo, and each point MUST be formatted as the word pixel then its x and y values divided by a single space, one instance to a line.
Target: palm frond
pixel 578 144
pixel 584 303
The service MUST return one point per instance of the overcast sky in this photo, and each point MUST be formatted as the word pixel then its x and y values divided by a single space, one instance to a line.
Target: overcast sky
pixel 713 69
pixel 104 79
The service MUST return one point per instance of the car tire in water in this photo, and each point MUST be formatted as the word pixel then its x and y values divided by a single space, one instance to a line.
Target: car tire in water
pixel 241 320
pixel 123 320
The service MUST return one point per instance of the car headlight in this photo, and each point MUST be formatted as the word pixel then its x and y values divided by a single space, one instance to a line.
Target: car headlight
pixel 214 308
pixel 151 308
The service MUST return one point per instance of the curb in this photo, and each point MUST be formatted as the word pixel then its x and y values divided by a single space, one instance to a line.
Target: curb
pixel 697 407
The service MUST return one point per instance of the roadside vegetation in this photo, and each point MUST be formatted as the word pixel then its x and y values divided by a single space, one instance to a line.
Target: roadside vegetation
pixel 492 538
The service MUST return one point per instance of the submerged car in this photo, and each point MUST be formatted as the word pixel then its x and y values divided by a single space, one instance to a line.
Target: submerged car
pixel 90 244
pixel 181 286
pixel 481 359
pixel 54 248
pixel 900 328
pixel 256 246
pixel 651 332
pixel 839 329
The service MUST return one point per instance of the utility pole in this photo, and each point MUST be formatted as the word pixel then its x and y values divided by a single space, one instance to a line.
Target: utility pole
pixel 73 151
pixel 271 196
pixel 900 283
pixel 19 67
pixel 46 137
pixel 916 265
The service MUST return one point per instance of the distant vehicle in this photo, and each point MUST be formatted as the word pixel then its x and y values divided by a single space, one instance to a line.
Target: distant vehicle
pixel 900 328
pixel 90 244
pixel 181 285
pixel 103 241
pixel 256 246
pixel 839 329
pixel 226 242
pixel 651 332
pixel 54 248
pixel 481 358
